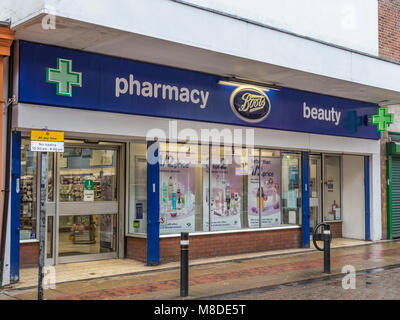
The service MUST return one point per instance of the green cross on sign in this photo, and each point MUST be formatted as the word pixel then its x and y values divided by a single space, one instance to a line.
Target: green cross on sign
pixel 382 119
pixel 64 77
pixel 89 184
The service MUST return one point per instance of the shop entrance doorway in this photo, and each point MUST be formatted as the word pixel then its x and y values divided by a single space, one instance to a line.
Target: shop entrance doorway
pixel 83 203
pixel 315 190
pixel 325 189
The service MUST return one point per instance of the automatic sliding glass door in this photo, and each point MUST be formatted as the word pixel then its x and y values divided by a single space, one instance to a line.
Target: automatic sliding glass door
pixel 86 217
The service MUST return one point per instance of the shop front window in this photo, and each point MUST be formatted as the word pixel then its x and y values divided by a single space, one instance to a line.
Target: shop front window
pixel 88 175
pixel 245 188
pixel 291 189
pixel 137 222
pixel 28 212
pixel 181 188
pixel 332 187
pixel 228 187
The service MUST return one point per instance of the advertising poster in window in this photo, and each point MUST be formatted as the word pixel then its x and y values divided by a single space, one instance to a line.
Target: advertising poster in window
pixel 264 192
pixel 177 194
pixel 224 200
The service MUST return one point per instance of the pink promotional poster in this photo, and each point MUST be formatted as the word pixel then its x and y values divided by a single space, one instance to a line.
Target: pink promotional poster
pixel 222 204
pixel 177 194
pixel 264 192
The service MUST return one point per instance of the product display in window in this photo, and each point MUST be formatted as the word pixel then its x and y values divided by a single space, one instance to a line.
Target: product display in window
pixel 177 198
pixel 331 188
pixel 264 192
pixel 28 225
pixel 334 214
pixel 72 187
pixel 223 199
pixel 290 188
pixel 28 192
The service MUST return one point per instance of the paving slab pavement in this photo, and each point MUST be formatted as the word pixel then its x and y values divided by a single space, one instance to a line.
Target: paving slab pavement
pixel 208 280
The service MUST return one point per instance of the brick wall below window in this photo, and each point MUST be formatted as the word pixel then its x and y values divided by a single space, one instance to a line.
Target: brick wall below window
pixel 336 229
pixel 29 254
pixel 215 245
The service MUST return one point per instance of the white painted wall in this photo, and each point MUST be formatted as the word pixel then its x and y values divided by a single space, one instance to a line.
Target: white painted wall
pixel 170 33
pixel 353 197
pixel 348 23
pixel 395 110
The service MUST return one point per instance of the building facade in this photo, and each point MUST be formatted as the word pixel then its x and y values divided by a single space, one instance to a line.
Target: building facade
pixel 389 48
pixel 244 129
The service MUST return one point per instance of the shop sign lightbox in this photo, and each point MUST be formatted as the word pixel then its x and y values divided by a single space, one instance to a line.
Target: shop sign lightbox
pixel 61 77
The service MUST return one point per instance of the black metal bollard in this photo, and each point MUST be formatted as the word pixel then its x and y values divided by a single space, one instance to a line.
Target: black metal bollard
pixel 327 249
pixel 184 264
pixel 326 237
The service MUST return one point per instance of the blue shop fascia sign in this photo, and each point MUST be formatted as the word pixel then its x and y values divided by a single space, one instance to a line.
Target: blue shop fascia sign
pixel 62 77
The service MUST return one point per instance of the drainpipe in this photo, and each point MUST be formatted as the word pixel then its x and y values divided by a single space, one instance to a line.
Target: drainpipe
pixel 6 39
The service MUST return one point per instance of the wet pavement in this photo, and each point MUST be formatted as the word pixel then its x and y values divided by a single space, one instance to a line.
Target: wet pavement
pixel 379 284
pixel 222 278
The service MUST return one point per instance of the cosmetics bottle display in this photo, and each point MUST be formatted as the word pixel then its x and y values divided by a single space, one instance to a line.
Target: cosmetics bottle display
pixel 223 200
pixel 173 202
pixel 236 204
pixel 170 186
pixel 222 187
pixel 164 193
pixel 262 199
pixel 178 197
pixel 228 197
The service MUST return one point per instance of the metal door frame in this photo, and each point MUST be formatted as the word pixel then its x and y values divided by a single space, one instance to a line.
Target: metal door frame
pixel 320 158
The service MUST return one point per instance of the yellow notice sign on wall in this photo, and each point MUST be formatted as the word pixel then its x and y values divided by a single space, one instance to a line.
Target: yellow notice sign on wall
pixel 37 135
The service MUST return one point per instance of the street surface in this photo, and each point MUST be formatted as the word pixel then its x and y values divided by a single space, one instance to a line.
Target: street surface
pixel 223 279
pixel 376 285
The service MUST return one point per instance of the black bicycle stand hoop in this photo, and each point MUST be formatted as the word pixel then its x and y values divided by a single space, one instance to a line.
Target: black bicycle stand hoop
pixel 326 237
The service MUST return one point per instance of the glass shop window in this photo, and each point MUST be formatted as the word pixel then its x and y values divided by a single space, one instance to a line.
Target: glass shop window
pixel 245 188
pixel 229 187
pixel 332 187
pixel 182 177
pixel 84 168
pixel 28 212
pixel 137 221
pixel 291 189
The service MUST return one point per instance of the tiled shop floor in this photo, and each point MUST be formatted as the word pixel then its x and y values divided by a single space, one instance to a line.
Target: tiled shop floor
pixel 213 278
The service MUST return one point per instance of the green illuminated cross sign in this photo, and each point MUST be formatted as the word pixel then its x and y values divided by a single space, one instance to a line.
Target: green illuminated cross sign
pixel 382 119
pixel 89 184
pixel 64 77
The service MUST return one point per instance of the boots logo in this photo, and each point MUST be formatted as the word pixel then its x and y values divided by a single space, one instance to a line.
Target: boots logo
pixel 250 104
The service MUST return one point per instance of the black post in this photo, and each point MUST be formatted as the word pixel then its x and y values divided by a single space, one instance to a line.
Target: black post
pixel 42 222
pixel 184 264
pixel 327 249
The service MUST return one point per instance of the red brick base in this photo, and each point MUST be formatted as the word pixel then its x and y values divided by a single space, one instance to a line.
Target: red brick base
pixel 29 254
pixel 202 246
pixel 213 245
pixel 136 248
pixel 336 229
